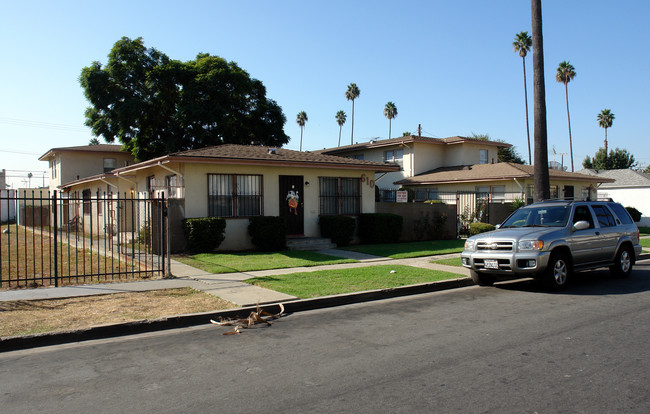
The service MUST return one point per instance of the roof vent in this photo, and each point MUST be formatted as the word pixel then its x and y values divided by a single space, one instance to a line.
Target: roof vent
pixel 273 151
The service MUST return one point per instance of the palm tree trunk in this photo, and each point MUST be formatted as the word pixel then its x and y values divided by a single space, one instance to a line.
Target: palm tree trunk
pixel 300 139
pixel 389 127
pixel 542 189
pixel 606 142
pixel 352 136
pixel 566 91
pixel 530 161
pixel 340 129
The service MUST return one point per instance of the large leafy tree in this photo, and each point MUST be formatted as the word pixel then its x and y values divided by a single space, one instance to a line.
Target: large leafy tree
pixel 605 120
pixel 155 105
pixel 301 120
pixel 390 112
pixel 522 45
pixel 351 94
pixel 542 190
pixel 615 160
pixel 341 117
pixel 565 74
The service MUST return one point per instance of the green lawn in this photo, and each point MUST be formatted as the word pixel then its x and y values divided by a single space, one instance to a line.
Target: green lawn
pixel 250 261
pixel 645 242
pixel 414 249
pixel 453 261
pixel 332 282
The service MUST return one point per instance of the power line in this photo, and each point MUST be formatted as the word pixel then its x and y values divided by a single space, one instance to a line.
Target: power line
pixel 41 124
pixel 19 152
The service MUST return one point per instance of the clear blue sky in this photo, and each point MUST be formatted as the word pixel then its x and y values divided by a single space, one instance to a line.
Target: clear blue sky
pixel 448 66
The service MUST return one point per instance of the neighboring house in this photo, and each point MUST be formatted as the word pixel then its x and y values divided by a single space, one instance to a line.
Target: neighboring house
pixel 416 155
pixel 3 179
pixel 73 163
pixel 237 182
pixel 503 181
pixel 630 188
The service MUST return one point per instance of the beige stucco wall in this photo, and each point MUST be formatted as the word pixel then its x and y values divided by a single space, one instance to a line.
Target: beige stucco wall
pixel 72 165
pixel 467 154
pixel 237 238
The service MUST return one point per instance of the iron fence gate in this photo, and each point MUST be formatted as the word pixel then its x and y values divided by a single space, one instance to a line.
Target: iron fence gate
pixel 59 239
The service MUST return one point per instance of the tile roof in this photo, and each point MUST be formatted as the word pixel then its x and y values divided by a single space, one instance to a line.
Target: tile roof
pixel 489 172
pixel 262 155
pixel 623 178
pixel 83 148
pixel 409 139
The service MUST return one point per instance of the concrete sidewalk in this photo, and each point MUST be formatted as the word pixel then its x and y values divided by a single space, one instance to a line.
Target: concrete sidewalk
pixel 228 286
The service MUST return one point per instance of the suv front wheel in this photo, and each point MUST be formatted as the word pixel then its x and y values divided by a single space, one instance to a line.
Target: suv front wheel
pixel 622 263
pixel 557 272
pixel 481 279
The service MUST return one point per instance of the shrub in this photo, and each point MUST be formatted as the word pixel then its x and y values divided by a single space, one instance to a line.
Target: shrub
pixel 338 228
pixel 517 203
pixel 268 233
pixel 636 214
pixel 476 228
pixel 204 234
pixel 380 228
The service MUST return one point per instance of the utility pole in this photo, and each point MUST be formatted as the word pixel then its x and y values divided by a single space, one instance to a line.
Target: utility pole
pixel 419 130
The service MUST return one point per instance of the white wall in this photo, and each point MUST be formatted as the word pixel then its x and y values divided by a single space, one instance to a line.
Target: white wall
pixel 631 197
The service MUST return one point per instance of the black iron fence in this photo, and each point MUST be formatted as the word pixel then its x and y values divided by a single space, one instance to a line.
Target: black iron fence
pixel 60 239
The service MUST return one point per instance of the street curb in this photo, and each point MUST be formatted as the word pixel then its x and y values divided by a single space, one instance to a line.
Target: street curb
pixel 182 321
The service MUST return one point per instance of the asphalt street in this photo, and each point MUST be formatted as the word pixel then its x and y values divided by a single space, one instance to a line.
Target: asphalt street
pixel 512 348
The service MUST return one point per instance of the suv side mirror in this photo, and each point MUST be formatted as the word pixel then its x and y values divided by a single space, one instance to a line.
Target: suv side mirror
pixel 581 225
pixel 498 226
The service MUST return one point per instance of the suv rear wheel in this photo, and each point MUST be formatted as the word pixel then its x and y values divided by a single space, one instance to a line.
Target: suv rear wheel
pixel 481 279
pixel 622 263
pixel 557 272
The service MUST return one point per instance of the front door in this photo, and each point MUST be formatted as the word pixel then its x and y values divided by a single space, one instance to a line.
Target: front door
pixel 292 203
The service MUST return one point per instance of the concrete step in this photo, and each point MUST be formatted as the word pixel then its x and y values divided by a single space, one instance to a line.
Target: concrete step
pixel 309 243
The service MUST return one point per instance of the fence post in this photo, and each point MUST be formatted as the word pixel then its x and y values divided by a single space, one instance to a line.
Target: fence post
pixel 168 250
pixel 56 253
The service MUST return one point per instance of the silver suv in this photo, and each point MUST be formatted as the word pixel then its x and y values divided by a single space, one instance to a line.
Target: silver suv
pixel 551 239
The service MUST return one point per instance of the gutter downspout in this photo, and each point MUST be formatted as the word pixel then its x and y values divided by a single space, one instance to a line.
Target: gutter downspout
pixel 161 165
pixel 523 196
pixel 106 182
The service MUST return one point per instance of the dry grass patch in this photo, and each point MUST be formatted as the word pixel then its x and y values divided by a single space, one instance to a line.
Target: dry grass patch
pixel 25 317
pixel 27 260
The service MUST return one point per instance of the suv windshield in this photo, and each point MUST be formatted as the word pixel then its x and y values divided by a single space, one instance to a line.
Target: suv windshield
pixel 539 216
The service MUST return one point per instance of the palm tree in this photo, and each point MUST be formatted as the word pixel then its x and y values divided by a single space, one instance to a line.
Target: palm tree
pixel 351 94
pixel 340 119
pixel 390 112
pixel 301 119
pixel 542 189
pixel 522 45
pixel 565 73
pixel 605 120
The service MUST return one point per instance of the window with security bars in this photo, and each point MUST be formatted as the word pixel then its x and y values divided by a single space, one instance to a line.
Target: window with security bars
pixel 234 195
pixel 339 196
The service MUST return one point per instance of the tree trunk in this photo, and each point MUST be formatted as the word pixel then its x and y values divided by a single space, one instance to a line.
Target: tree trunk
pixel 389 127
pixel 542 189
pixel 340 129
pixel 566 92
pixel 606 142
pixel 530 160
pixel 352 134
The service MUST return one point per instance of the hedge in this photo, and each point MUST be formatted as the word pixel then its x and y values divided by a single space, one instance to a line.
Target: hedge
pixel 338 228
pixel 476 228
pixel 268 233
pixel 204 234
